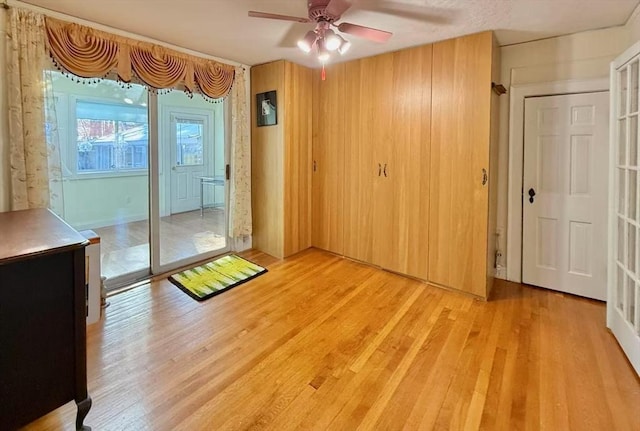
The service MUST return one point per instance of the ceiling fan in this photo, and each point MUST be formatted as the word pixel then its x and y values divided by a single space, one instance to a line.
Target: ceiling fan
pixel 325 13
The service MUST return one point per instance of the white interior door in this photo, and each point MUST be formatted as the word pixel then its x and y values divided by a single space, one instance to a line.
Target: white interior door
pixel 189 159
pixel 565 193
pixel 623 306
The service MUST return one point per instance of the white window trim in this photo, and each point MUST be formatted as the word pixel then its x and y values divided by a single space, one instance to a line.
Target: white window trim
pixel 203 117
pixel 70 153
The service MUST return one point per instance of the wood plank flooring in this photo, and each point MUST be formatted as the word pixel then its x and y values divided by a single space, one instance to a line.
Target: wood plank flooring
pixel 125 247
pixel 324 343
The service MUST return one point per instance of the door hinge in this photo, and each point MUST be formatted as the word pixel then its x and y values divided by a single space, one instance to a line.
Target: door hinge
pixel 227 172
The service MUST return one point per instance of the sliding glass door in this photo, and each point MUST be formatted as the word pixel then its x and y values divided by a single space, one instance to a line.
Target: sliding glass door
pixel 103 130
pixel 192 219
pixel 144 172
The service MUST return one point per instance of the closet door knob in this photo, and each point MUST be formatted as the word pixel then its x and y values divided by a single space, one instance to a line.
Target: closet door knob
pixel 485 178
pixel 379 169
pixel 385 170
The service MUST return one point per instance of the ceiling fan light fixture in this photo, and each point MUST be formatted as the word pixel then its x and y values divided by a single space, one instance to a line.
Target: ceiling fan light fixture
pixel 325 14
pixel 344 45
pixel 331 40
pixel 306 43
pixel 323 53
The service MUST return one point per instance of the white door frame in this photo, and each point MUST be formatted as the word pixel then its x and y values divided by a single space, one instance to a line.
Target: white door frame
pixel 518 93
pixel 626 336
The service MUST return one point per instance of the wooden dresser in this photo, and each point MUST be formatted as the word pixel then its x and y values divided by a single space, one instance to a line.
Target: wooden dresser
pixel 42 318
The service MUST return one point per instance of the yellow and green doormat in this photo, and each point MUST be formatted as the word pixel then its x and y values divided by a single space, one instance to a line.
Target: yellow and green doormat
pixel 213 278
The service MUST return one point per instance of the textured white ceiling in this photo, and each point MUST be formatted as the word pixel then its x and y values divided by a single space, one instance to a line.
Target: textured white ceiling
pixel 222 28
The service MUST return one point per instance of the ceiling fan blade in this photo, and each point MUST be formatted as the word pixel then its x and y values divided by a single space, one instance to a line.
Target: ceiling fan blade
pixel 373 34
pixel 254 14
pixel 337 7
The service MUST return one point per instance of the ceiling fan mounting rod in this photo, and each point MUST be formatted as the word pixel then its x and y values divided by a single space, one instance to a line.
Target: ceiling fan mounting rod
pixel 322 26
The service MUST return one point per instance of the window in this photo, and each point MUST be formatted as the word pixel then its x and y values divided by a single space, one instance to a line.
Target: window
pixel 189 135
pixel 110 137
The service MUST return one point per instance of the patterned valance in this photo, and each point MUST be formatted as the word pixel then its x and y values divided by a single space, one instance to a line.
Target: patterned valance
pixel 91 53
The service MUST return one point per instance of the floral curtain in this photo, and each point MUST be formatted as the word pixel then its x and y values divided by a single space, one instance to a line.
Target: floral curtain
pixel 240 189
pixel 31 159
pixel 52 137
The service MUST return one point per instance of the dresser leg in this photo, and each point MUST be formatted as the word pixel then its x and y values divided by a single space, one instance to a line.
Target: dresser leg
pixel 83 410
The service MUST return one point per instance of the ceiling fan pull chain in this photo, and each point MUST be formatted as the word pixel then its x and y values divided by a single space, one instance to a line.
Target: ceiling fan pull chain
pixel 324 74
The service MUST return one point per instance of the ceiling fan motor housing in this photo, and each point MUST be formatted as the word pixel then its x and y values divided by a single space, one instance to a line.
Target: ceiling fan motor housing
pixel 318 11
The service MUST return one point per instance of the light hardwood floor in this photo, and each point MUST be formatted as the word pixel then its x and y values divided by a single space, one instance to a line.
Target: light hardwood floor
pixel 321 342
pixel 125 247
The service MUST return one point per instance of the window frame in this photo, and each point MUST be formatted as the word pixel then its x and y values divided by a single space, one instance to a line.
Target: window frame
pixel 201 118
pixel 70 152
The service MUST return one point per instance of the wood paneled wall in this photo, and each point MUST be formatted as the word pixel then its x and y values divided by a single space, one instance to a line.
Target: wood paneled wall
pixel 359 161
pixel 394 175
pixel 298 105
pixel 267 164
pixel 329 100
pixel 281 161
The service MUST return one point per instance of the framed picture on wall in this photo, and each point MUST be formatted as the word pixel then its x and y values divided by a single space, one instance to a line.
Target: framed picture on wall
pixel 267 107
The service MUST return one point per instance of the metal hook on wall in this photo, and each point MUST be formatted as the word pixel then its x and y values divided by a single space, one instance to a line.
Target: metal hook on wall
pixel 498 88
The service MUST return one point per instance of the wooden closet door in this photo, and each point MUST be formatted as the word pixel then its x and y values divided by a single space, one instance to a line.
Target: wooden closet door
pixel 403 237
pixel 360 167
pixel 460 125
pixel 368 96
pixel 328 160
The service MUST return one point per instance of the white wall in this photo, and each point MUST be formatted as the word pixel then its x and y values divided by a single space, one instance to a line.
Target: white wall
pixel 633 27
pixel 98 202
pixel 579 56
pixel 4 128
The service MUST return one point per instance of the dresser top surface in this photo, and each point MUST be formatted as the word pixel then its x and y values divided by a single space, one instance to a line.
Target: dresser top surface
pixel 32 232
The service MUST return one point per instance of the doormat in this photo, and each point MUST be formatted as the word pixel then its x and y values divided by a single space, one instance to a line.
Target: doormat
pixel 213 278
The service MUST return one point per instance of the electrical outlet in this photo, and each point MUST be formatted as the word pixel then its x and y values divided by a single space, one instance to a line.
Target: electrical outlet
pixel 497 263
